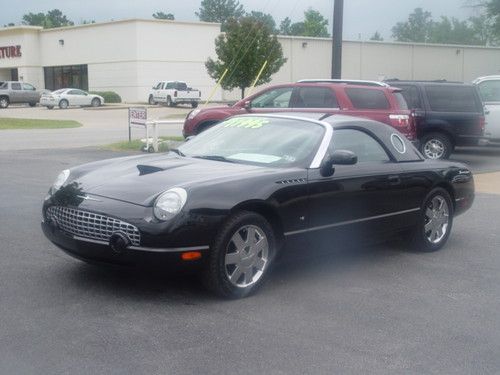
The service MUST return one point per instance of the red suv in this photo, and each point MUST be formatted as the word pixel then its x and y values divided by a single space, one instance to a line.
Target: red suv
pixel 381 103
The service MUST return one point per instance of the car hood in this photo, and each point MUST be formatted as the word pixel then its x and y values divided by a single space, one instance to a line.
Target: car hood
pixel 139 180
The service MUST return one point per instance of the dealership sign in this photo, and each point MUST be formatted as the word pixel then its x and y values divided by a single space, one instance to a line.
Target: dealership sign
pixel 10 52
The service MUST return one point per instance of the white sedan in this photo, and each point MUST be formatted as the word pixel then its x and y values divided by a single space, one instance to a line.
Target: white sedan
pixel 64 98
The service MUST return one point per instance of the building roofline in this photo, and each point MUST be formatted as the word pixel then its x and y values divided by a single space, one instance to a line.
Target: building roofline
pixel 131 20
pixel 21 28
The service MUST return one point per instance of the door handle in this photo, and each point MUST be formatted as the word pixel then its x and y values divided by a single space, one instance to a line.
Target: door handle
pixel 394 180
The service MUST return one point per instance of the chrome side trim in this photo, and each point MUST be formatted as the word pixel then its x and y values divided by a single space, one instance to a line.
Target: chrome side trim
pixel 149 249
pixel 351 222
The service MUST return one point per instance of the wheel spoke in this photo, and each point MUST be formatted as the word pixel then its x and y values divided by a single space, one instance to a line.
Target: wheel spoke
pixel 238 241
pixel 429 226
pixel 260 246
pixel 232 258
pixel 235 275
pixel 248 275
pixel 251 236
pixel 260 263
pixel 428 213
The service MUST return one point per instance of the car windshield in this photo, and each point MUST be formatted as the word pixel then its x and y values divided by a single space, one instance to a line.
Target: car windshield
pixel 266 141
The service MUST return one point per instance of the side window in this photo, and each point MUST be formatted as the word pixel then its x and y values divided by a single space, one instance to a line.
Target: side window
pixel 490 91
pixel 73 92
pixel 315 97
pixel 158 86
pixel 170 86
pixel 181 86
pixel 16 86
pixel 451 98
pixel 3 85
pixel 364 98
pixel 412 97
pixel 366 148
pixel 27 86
pixel 277 98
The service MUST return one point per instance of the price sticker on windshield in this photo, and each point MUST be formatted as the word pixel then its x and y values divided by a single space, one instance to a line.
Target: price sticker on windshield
pixel 246 122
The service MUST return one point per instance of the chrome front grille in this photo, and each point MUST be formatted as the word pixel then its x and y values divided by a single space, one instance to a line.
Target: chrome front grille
pixel 90 225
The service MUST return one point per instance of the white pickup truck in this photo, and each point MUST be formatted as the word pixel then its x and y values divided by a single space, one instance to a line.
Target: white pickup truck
pixel 489 88
pixel 172 93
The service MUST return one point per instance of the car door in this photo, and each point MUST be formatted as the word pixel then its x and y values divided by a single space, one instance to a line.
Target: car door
pixel 30 94
pixel 360 199
pixel 73 97
pixel 490 95
pixel 16 93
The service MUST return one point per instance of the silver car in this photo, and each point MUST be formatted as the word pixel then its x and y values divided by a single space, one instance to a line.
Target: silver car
pixel 64 98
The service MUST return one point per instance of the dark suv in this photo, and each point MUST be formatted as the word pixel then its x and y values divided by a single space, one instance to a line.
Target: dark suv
pixel 377 102
pixel 447 114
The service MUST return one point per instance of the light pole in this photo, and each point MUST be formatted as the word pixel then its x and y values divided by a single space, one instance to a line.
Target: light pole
pixel 338 16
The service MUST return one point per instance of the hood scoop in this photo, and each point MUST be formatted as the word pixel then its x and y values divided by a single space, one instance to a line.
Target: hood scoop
pixel 292 181
pixel 148 169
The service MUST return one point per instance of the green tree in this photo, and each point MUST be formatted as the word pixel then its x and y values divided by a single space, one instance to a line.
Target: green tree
pixel 493 13
pixel 484 30
pixel 163 16
pixel 243 49
pixel 315 24
pixel 220 11
pixel 377 37
pixel 416 29
pixel 53 18
pixel 286 27
pixel 265 19
pixel 452 31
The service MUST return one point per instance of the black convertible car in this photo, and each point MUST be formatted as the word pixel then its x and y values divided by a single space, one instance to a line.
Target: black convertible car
pixel 231 198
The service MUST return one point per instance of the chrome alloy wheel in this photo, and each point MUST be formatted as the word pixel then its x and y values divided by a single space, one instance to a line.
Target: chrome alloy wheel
pixel 437 219
pixel 247 256
pixel 434 149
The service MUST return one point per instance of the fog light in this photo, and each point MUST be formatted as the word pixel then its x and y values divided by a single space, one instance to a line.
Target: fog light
pixel 191 255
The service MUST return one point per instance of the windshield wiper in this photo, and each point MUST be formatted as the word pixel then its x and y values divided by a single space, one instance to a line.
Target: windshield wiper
pixel 177 151
pixel 213 157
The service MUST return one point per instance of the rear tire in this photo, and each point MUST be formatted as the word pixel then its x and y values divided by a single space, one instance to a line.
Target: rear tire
pixel 169 102
pixel 241 256
pixel 436 146
pixel 194 104
pixel 4 102
pixel 435 222
pixel 63 104
pixel 50 107
pixel 32 104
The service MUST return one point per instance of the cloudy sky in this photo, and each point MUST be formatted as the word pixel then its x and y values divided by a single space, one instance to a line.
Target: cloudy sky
pixel 362 17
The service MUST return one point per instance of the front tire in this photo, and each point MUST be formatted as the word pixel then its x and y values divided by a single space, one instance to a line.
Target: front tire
pixel 169 102
pixel 50 107
pixel 4 102
pixel 151 100
pixel 63 104
pixel 241 256
pixel 436 146
pixel 435 222
pixel 95 102
pixel 33 104
pixel 194 104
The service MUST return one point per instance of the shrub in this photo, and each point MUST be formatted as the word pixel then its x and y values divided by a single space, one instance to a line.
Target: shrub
pixel 109 96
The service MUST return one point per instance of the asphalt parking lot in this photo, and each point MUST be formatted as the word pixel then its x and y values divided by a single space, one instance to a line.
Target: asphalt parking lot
pixel 377 310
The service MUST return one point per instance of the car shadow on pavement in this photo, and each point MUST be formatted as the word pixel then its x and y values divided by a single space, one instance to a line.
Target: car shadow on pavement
pixel 186 289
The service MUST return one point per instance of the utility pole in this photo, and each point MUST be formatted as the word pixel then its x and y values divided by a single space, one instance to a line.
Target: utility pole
pixel 338 16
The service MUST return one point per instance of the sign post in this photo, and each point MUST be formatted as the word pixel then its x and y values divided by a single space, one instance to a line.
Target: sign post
pixel 137 116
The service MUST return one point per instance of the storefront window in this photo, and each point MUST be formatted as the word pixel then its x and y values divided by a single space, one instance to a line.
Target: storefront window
pixel 69 76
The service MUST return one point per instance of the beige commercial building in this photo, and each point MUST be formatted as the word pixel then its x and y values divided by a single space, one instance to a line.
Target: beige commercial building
pixel 129 56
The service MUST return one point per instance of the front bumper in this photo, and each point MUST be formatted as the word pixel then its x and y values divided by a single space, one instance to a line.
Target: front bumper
pixel 95 251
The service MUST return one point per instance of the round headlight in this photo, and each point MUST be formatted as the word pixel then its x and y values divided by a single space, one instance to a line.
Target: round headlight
pixel 193 114
pixel 60 180
pixel 170 203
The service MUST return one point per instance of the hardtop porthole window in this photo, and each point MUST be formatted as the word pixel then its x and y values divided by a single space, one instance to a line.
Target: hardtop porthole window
pixel 398 143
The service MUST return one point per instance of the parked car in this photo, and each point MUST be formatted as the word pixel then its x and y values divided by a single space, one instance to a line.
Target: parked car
pixel 172 93
pixel 384 104
pixel 489 89
pixel 234 196
pixel 13 92
pixel 447 114
pixel 65 98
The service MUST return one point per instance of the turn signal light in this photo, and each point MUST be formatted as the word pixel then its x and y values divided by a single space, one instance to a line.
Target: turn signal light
pixel 191 255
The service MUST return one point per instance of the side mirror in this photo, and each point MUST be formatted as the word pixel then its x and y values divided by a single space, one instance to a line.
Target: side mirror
pixel 338 157
pixel 247 105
